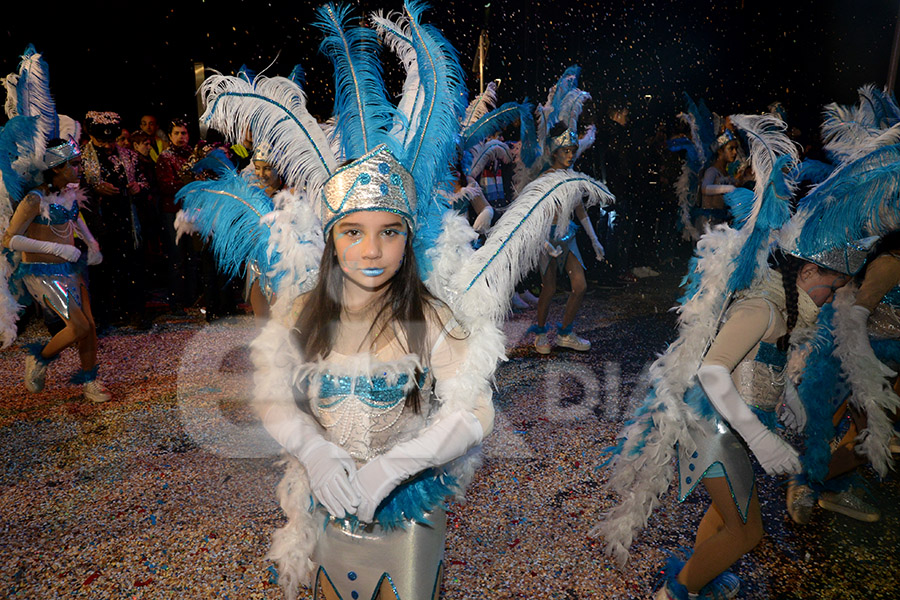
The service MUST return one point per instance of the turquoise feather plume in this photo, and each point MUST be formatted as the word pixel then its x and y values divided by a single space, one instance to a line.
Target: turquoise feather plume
pixel 361 108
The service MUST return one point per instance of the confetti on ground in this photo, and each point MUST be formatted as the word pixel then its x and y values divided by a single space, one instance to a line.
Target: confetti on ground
pixel 168 490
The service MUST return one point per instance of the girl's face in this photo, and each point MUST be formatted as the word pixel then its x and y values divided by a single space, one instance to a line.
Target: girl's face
pixel 564 157
pixel 820 284
pixel 730 151
pixel 70 171
pixel 266 174
pixel 370 246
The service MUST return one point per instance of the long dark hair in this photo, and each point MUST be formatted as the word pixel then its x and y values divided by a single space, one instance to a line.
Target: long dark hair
pixel 789 267
pixel 404 306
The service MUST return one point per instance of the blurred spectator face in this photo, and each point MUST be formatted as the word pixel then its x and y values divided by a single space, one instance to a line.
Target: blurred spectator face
pixel 103 143
pixel 124 140
pixel 148 125
pixel 142 147
pixel 179 136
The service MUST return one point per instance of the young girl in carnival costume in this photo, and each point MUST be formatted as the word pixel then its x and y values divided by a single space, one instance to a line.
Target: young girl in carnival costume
pixel 767 299
pixel 709 151
pixel 846 404
pixel 44 225
pixel 375 384
pixel 560 147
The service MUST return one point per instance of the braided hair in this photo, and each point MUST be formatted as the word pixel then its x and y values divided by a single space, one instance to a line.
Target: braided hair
pixel 789 267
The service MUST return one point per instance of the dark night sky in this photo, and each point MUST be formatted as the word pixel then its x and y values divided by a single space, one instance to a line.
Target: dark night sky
pixel 739 56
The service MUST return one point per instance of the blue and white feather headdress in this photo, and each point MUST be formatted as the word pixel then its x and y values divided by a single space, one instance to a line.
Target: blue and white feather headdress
pixel 726 260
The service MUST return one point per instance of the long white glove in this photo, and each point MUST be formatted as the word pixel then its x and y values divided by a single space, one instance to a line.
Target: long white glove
pixel 793 413
pixel 722 188
pixel 599 253
pixel 774 454
pixel 483 220
pixel 444 440
pixel 66 252
pixel 329 467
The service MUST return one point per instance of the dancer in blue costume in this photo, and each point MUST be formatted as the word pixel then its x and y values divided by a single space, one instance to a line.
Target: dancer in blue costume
pixel 374 371
pixel 714 392
pixel 41 171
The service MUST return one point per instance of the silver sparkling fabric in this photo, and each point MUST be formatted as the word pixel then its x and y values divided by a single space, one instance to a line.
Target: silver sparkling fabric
pixel 563 140
pixel 357 560
pixel 377 181
pixel 761 385
pixel 716 445
pixel 367 414
pixel 55 293
pixel 254 274
pixel 884 322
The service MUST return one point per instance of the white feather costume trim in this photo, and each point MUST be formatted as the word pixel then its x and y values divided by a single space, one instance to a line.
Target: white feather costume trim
pixel 871 391
pixel 484 284
pixel 640 479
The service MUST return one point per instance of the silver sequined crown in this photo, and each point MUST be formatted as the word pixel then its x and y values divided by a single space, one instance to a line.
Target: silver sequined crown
pixel 376 181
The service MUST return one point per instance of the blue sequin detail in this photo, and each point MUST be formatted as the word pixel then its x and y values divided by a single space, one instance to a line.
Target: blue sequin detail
pixel 395 179
pixel 354 594
pixel 769 354
pixel 695 455
pixel 687 480
pixel 365 178
pixel 691 467
pixel 373 391
pixel 892 297
pixel 351 576
pixel 59 214
pixel 384 188
pixel 384 168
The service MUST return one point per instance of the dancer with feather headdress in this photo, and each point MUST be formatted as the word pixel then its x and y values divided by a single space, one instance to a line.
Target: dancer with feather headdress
pixel 545 154
pixel 724 374
pixel 391 375
pixel 40 171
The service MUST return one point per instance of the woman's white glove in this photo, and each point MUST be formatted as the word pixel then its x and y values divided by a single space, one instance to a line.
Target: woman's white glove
pixel 483 220
pixel 94 255
pixel 793 413
pixel 773 453
pixel 329 467
pixel 721 188
pixel 66 252
pixel 444 440
pixel 599 253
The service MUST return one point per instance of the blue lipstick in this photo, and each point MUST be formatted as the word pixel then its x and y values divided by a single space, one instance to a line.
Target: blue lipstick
pixel 374 272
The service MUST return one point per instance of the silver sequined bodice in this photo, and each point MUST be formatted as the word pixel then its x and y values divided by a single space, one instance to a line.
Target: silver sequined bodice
pixel 760 377
pixel 365 412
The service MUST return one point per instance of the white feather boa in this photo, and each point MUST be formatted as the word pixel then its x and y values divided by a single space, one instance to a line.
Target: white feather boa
pixel 641 477
pixel 872 393
pixel 484 283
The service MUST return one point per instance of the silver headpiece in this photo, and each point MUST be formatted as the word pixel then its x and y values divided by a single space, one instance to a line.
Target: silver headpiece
pixel 376 181
pixel 724 137
pixel 60 154
pixel 847 259
pixel 568 138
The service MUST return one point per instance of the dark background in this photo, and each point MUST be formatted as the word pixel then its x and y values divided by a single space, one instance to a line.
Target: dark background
pixel 738 56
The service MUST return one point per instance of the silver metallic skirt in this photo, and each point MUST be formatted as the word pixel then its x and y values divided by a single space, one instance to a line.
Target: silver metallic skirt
pixel 55 286
pixel 358 561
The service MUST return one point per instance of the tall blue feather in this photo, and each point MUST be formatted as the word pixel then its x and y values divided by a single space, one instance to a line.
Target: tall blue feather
pixel 567 82
pixel 443 82
pixel 859 199
pixel 494 121
pixel 228 211
pixel 814 171
pixel 17 139
pixel 298 76
pixel 247 74
pixel 530 148
pixel 774 212
pixel 364 114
